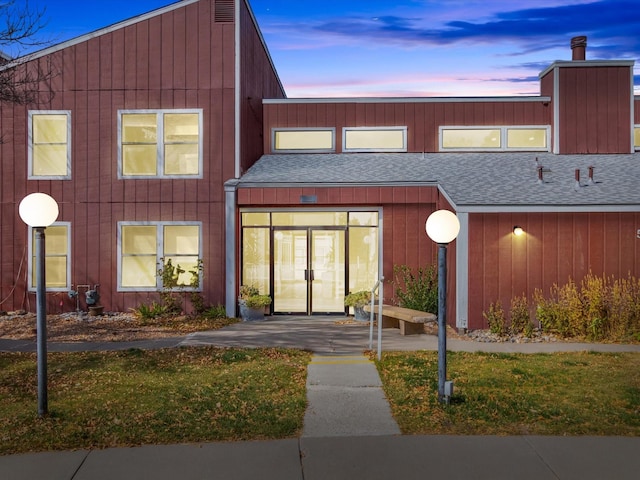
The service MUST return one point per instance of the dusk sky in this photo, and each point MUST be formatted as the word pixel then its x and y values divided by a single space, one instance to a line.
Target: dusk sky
pixel 351 48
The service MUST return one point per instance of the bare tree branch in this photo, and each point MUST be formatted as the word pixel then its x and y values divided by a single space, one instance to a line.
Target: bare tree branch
pixel 19 25
pixel 26 79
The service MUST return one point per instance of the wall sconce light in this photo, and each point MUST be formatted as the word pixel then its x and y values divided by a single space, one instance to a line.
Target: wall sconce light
pixel 517 231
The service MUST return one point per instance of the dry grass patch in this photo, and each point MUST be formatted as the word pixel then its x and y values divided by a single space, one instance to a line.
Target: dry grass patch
pixel 113 327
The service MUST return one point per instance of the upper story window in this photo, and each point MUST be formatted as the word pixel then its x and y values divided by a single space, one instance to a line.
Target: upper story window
pixel 146 247
pixel 49 145
pixel 522 138
pixel 160 143
pixel 374 139
pixel 57 247
pixel 636 137
pixel 307 140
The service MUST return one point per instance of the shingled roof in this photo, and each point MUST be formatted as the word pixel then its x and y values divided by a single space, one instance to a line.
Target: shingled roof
pixel 500 181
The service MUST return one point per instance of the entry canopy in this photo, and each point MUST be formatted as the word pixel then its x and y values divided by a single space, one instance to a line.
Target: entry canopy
pixel 442 226
pixel 38 210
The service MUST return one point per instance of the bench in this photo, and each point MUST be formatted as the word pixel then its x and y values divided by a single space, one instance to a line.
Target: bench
pixel 410 322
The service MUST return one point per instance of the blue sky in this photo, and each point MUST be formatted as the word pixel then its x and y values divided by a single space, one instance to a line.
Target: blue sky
pixel 351 48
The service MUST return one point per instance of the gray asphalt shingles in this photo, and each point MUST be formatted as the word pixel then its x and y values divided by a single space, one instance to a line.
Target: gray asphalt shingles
pixel 469 179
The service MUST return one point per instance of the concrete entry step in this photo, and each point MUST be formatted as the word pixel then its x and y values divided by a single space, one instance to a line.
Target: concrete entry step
pixel 345 398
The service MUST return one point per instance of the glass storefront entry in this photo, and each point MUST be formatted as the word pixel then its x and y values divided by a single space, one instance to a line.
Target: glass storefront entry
pixel 308 271
pixel 309 260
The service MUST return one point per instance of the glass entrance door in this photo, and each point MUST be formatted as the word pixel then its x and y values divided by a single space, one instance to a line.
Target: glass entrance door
pixel 308 270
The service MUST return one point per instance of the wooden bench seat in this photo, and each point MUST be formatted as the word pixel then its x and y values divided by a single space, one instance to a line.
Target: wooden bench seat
pixel 410 322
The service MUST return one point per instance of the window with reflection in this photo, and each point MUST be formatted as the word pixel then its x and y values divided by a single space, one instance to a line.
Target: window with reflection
pixel 160 144
pixel 49 145
pixel 146 248
pixel 57 253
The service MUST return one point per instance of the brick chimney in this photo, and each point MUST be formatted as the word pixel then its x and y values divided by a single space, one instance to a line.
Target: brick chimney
pixel 578 47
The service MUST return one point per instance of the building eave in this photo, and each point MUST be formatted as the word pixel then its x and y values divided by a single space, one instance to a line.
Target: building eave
pixel 586 63
pixel 291 101
pixel 97 33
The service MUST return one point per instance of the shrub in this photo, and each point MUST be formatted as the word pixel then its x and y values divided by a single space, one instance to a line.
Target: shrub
pixel 496 319
pixel 599 308
pixel 357 299
pixel 250 296
pixel 417 291
pixel 149 312
pixel 520 317
pixel 213 312
pixel 594 292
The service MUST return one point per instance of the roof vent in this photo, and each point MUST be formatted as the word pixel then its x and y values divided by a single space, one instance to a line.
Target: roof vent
pixel 578 47
pixel 224 11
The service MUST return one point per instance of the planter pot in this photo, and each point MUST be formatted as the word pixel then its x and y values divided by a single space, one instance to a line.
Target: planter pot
pixel 97 310
pixel 251 314
pixel 360 315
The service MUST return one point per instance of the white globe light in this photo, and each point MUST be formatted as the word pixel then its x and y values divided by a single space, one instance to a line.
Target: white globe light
pixel 38 210
pixel 442 226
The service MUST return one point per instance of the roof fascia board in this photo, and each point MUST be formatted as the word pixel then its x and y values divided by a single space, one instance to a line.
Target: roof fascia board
pixel 275 101
pixel 102 31
pixel 548 208
pixel 586 63
pixel 333 185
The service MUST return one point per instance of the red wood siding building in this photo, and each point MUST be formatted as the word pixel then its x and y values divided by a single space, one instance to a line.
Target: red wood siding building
pixel 208 58
pixel 179 57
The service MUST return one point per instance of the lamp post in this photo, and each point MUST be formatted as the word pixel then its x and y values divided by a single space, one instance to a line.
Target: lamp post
pixel 39 210
pixel 442 227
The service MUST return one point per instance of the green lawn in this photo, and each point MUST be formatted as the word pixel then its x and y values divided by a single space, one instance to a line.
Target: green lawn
pixel 201 394
pixel 507 394
pixel 99 400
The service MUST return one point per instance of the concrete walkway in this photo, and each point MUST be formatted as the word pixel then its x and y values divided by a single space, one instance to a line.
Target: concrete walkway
pixel 348 431
pixel 345 398
pixel 385 457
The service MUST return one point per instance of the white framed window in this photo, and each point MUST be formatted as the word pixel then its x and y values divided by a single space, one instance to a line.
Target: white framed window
pixel 57 254
pixel 495 138
pixel 308 140
pixel 146 247
pixel 374 139
pixel 49 156
pixel 160 144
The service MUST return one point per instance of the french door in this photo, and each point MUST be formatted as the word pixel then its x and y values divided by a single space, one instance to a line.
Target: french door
pixel 308 270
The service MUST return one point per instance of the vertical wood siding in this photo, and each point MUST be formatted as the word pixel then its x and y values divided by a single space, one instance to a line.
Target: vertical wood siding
pixel 254 88
pixel 595 108
pixel 179 59
pixel 555 248
pixel 421 118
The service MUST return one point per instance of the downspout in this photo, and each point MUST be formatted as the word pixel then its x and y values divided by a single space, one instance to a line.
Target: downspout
pixel 230 228
pixel 230 187
pixel 462 273
pixel 462 264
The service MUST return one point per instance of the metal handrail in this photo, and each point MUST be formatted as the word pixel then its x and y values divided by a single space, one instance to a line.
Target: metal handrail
pixel 379 284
